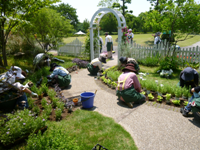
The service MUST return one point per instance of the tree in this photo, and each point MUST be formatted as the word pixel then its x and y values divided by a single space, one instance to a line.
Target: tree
pixel 47 27
pixel 107 3
pixel 68 12
pixel 109 23
pixel 181 17
pixel 12 13
pixel 86 25
pixel 123 7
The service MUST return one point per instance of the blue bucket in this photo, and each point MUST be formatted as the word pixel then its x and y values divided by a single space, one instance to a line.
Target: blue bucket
pixel 87 99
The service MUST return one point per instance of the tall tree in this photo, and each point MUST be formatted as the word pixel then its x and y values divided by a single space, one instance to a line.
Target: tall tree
pixel 12 13
pixel 47 27
pixel 109 23
pixel 123 7
pixel 68 12
pixel 181 17
pixel 86 25
pixel 107 3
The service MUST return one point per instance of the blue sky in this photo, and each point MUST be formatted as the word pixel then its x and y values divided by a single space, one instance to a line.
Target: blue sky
pixel 86 8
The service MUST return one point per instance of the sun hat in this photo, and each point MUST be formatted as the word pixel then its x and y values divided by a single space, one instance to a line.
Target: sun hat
pixel 188 74
pixel 129 67
pixel 129 29
pixel 158 33
pixel 52 65
pixel 123 60
pixel 103 59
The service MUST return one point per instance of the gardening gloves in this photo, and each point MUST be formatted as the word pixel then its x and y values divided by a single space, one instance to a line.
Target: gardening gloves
pixel 34 94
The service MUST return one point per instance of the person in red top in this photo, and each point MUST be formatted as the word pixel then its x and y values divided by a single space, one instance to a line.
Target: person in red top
pixel 128 88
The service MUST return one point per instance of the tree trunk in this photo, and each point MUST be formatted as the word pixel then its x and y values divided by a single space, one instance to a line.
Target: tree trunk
pixel 123 9
pixel 3 46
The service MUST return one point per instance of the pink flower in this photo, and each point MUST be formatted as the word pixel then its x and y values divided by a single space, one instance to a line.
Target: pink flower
pixel 126 34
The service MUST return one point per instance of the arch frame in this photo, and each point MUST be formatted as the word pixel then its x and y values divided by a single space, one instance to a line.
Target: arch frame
pixel 96 18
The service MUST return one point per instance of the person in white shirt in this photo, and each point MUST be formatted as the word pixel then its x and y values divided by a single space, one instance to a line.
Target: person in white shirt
pixel 130 36
pixel 40 60
pixel 109 44
pixel 157 39
pixel 96 65
pixel 101 43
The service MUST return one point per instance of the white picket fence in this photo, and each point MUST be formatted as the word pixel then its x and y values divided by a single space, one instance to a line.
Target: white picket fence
pixel 74 48
pixel 141 52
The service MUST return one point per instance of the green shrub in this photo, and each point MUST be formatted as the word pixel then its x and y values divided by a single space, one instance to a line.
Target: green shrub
pixel 58 138
pixel 58 113
pixel 44 88
pixel 30 102
pixel 51 93
pixel 149 61
pixel 68 64
pixel 60 105
pixel 34 88
pixel 114 33
pixel 36 110
pixel 47 109
pixel 168 63
pixel 113 74
pixel 44 102
pixel 54 101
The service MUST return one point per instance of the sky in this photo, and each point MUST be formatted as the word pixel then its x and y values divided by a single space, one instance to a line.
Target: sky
pixel 86 8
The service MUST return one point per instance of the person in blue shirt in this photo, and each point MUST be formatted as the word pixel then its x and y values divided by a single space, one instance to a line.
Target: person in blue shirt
pixel 59 76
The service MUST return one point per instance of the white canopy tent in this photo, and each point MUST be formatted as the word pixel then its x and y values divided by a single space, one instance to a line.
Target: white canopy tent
pixel 96 20
pixel 80 33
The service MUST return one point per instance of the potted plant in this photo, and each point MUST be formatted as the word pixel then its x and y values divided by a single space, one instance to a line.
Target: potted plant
pixel 168 96
pixel 159 98
pixel 150 96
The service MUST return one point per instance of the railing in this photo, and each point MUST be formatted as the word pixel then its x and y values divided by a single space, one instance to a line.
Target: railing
pixel 75 48
pixel 185 54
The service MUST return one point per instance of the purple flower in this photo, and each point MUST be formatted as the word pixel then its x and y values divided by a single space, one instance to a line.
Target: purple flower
pixel 21 119
pixel 43 119
pixel 9 129
pixel 24 124
pixel 17 116
pixel 7 132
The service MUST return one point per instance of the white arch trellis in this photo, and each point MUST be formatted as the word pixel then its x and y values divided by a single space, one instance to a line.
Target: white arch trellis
pixel 96 18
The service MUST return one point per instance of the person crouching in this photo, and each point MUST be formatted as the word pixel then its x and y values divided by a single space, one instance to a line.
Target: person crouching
pixel 96 65
pixel 59 76
pixel 128 88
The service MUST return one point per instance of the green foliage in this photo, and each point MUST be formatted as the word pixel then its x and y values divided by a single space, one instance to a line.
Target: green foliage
pixel 176 102
pixel 40 91
pixel 113 74
pixel 150 96
pixel 178 92
pixel 60 105
pixel 34 88
pixel 51 93
pixel 185 91
pixel 194 65
pixel 109 81
pixel 47 109
pixel 52 139
pixel 168 96
pixel 44 102
pixel 185 103
pixel 30 102
pixel 18 125
pixel 149 61
pixel 36 110
pixel 44 88
pixel 168 63
pixel 114 84
pixel 68 65
pixel 54 101
pixel 159 98
pixel 143 92
pixel 153 86
pixel 58 113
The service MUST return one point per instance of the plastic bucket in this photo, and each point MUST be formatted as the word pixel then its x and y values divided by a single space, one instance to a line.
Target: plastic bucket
pixel 87 99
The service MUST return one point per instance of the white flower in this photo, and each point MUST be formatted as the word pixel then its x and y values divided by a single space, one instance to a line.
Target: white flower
pixel 141 77
pixel 161 85
pixel 156 81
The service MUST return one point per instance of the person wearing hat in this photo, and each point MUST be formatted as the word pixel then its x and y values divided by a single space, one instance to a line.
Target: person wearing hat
pixel 19 73
pixel 41 60
pixel 128 88
pixel 59 75
pixel 96 64
pixel 157 39
pixel 109 44
pixel 189 78
pixel 130 36
pixel 126 60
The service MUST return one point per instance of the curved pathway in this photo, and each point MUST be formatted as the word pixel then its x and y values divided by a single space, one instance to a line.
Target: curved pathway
pixel 152 128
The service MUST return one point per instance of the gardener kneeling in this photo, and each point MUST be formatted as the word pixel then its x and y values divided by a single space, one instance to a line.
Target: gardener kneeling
pixel 96 65
pixel 59 76
pixel 194 103
pixel 128 88
pixel 125 60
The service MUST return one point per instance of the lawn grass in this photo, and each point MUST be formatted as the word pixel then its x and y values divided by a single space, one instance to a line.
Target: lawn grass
pixel 90 128
pixel 141 39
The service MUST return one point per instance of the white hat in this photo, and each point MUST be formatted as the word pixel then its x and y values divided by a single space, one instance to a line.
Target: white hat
pixel 129 29
pixel 19 74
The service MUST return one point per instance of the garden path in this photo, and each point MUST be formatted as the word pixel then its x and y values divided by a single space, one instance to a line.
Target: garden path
pixel 152 128
pixel 193 45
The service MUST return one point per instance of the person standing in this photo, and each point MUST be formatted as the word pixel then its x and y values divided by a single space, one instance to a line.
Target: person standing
pixel 130 36
pixel 109 44
pixel 157 39
pixel 101 43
